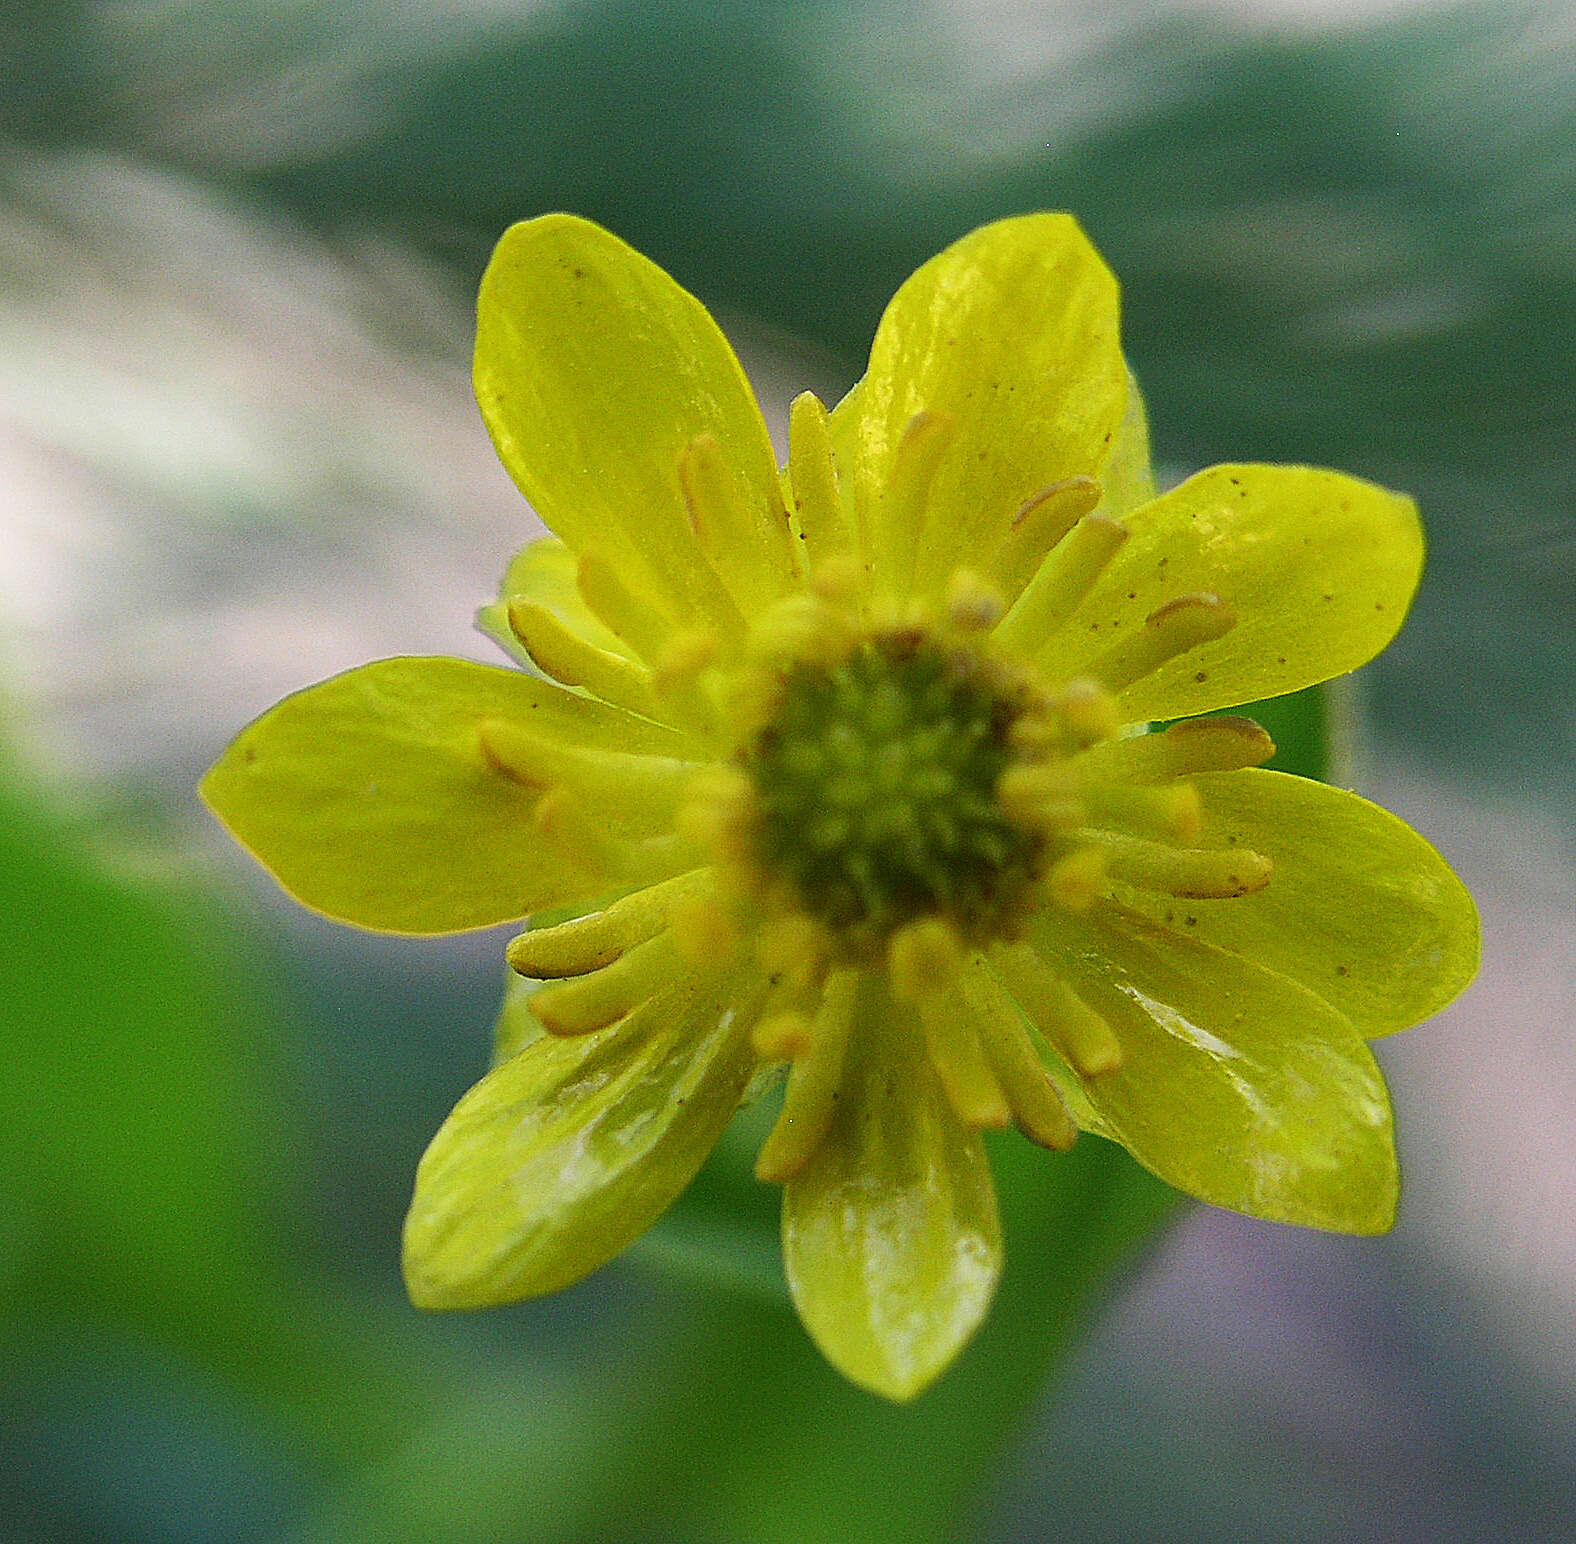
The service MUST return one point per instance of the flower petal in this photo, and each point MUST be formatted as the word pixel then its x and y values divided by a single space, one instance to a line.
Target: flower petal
pixel 570 1150
pixel 1237 1085
pixel 368 796
pixel 1319 568
pixel 1010 336
pixel 1359 908
pixel 595 372
pixel 890 1234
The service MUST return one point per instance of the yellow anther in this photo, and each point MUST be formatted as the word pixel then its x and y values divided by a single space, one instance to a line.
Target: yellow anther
pixel 1040 797
pixel 588 943
pixel 900 519
pixel 1173 812
pixel 810 1100
pixel 1199 745
pixel 973 605
pixel 585 842
pixel 1037 1106
pixel 792 945
pixel 1077 879
pixel 1088 712
pixel 560 652
pixel 592 1002
pixel 704 929
pixel 801 629
pixel 1077 1032
pixel 1194 873
pixel 649 785
pixel 782 1036
pixel 719 813
pixel 824 520
pixel 1042 520
pixel 838 579
pixel 619 608
pixel 924 958
pixel 953 1045
pixel 1172 629
pixel 682 658
pixel 1062 581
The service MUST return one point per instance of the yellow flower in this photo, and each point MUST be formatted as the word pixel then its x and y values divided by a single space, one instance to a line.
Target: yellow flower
pixel 847 768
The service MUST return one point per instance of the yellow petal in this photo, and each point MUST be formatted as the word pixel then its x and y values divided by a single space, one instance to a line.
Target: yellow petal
pixel 1319 569
pixel 369 797
pixel 1359 908
pixel 595 373
pixel 890 1234
pixel 1236 1085
pixel 569 1150
pixel 1010 335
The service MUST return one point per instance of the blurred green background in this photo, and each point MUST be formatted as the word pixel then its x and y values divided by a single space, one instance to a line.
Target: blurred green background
pixel 238 244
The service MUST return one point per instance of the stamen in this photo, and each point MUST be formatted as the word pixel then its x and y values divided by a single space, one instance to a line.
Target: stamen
pixel 1088 712
pixel 973 606
pixel 952 1041
pixel 923 958
pixel 720 813
pixel 724 522
pixel 678 677
pixel 1037 1107
pixel 801 629
pixel 588 943
pixel 584 840
pixel 1173 812
pixel 1077 879
pixel 704 929
pixel 560 652
pixel 782 1036
pixel 618 608
pixel 1061 582
pixel 1193 873
pixel 592 1002
pixel 1042 520
pixel 1225 744
pixel 1040 798
pixel 649 785
pixel 1173 629
pixel 794 947
pixel 811 1097
pixel 900 522
pixel 824 522
pixel 1057 1011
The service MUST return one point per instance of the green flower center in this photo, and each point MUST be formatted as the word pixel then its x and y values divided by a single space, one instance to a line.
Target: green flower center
pixel 876 781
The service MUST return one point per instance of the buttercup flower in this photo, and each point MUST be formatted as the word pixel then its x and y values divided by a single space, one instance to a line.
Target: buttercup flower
pixel 848 769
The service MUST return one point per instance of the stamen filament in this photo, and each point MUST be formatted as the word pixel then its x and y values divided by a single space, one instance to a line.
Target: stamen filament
pixel 1061 582
pixel 592 1002
pixel 649 785
pixel 1042 520
pixel 560 652
pixel 724 522
pixel 1224 744
pixel 589 943
pixel 1037 1106
pixel 824 520
pixel 900 518
pixel 1172 629
pixel 1080 1034
pixel 584 841
pixel 952 1041
pixel 810 1100
pixel 1192 873
pixel 618 608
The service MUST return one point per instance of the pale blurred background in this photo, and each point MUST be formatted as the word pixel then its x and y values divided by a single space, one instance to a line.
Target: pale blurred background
pixel 238 246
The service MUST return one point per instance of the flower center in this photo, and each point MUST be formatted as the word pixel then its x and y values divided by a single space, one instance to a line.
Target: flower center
pixel 876 786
